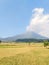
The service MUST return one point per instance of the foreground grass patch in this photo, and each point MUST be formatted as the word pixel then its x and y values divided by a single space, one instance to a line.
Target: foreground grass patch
pixel 25 60
pixel 34 56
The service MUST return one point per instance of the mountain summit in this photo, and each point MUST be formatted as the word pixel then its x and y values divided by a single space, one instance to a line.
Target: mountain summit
pixel 27 35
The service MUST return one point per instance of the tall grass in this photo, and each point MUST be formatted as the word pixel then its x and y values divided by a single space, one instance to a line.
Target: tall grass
pixel 37 55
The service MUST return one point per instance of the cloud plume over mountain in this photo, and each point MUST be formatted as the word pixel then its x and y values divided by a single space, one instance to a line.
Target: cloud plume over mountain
pixel 39 22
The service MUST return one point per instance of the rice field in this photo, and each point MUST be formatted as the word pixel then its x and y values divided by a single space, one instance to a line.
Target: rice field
pixel 23 54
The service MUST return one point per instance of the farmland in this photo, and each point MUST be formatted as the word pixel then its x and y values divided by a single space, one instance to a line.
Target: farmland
pixel 23 54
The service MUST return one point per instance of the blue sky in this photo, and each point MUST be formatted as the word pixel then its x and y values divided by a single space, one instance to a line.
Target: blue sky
pixel 15 15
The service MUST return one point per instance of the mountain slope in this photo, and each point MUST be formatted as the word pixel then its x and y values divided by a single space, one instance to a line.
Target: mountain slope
pixel 27 35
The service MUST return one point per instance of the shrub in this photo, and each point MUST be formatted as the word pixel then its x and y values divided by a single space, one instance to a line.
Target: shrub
pixel 0 41
pixel 46 43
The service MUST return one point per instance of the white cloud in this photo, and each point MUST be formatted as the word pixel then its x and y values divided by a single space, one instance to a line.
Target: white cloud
pixel 39 22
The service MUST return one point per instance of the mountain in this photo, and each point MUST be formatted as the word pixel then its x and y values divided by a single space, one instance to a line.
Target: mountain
pixel 27 35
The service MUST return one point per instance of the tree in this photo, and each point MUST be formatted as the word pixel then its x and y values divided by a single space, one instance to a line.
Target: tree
pixel 29 42
pixel 0 41
pixel 46 43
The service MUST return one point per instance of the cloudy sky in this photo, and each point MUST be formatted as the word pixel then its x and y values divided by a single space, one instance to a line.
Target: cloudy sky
pixel 19 16
pixel 39 22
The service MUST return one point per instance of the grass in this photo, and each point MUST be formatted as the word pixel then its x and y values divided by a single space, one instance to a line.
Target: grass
pixel 23 54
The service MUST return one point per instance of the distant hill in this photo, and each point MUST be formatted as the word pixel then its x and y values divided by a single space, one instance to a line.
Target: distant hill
pixel 26 36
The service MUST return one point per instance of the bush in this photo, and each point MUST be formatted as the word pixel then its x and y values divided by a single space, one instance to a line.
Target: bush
pixel 0 41
pixel 46 43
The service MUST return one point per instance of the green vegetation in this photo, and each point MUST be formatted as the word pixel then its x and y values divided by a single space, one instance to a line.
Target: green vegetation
pixel 0 41
pixel 46 43
pixel 13 45
pixel 23 54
